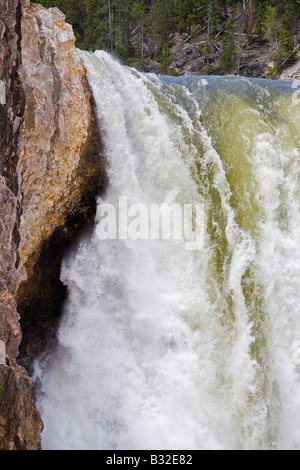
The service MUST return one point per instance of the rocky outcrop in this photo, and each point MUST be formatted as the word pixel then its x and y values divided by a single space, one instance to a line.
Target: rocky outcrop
pixel 56 128
pixel 20 424
pixel 50 172
pixel 61 166
pixel 292 73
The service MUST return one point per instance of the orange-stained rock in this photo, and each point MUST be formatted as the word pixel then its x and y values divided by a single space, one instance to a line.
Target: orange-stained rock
pixel 50 172
pixel 20 423
pixel 56 129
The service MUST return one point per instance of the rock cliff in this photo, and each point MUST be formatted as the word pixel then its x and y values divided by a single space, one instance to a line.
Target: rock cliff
pixel 50 172
pixel 61 167
pixel 292 73
pixel 20 424
pixel 56 128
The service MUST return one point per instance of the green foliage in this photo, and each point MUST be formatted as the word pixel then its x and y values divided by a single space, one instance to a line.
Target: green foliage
pixel 165 60
pixel 285 54
pixel 269 25
pixel 291 16
pixel 126 26
pixel 261 7
pixel 228 53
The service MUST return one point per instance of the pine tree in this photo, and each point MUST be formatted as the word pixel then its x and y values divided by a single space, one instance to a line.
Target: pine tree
pixel 228 50
pixel 261 7
pixel 269 26
pixel 109 25
pixel 165 60
pixel 163 20
pixel 286 52
pixel 291 17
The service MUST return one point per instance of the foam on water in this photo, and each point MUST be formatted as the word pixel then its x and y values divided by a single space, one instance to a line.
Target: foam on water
pixel 164 348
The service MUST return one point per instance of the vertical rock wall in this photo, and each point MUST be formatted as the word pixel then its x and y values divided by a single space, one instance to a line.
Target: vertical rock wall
pixel 56 128
pixel 20 424
pixel 61 167
pixel 50 173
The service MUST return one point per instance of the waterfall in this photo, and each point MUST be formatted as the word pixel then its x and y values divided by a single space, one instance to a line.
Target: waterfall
pixel 162 347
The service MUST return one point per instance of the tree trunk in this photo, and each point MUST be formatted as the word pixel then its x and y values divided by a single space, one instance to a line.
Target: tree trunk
pixel 110 27
pixel 143 36
pixel 250 17
pixel 209 19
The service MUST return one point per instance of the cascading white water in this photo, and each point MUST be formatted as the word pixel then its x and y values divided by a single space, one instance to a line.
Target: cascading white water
pixel 165 348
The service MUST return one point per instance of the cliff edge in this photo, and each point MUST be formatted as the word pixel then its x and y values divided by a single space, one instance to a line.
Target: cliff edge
pixel 20 423
pixel 61 166
pixel 50 172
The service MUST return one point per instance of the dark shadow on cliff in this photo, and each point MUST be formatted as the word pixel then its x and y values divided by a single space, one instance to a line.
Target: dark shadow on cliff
pixel 41 298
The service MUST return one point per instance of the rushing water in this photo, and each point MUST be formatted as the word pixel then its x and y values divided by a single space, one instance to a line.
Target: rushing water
pixel 165 348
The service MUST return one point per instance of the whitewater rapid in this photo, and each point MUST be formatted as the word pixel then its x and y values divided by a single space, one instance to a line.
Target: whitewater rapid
pixel 160 347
